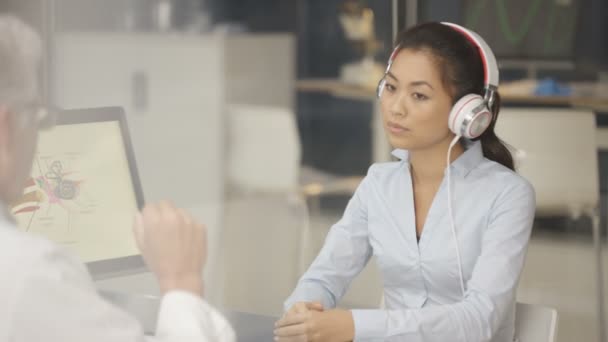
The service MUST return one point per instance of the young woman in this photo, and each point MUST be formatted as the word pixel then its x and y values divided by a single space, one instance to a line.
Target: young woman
pixel 451 241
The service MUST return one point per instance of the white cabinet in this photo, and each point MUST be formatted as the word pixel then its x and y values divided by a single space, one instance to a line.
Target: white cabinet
pixel 172 90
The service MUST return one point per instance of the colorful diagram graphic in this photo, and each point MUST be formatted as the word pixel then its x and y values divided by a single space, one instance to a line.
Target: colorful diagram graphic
pixel 53 196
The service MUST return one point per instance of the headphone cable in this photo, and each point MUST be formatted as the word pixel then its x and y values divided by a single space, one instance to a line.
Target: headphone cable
pixel 452 214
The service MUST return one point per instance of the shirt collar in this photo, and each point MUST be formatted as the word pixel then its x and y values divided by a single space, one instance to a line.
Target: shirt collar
pixel 470 159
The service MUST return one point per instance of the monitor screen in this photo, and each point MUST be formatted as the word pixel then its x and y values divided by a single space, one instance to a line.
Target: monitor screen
pixel 592 45
pixel 84 189
pixel 514 29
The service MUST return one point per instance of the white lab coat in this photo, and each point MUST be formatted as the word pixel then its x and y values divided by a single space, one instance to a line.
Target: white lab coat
pixel 46 295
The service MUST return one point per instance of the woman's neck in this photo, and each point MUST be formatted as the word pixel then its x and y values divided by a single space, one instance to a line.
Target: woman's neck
pixel 428 165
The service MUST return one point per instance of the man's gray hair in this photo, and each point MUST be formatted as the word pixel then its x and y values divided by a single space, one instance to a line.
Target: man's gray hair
pixel 20 57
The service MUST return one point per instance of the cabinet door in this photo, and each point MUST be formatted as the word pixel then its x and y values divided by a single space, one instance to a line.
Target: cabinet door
pixel 171 89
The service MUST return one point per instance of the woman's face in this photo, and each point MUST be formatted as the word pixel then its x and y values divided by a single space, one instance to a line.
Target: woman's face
pixel 415 104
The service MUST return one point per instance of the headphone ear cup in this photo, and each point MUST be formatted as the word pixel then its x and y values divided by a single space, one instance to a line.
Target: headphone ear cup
pixel 469 116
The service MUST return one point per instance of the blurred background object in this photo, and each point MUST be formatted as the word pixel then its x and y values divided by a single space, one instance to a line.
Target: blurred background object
pixel 358 24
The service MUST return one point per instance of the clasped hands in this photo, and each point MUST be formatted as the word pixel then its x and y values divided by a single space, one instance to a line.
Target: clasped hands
pixel 309 321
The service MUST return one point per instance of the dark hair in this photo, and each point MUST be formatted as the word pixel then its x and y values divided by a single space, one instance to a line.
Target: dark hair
pixel 461 67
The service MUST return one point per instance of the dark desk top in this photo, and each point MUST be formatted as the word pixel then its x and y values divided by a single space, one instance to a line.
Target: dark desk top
pixel 251 327
pixel 247 326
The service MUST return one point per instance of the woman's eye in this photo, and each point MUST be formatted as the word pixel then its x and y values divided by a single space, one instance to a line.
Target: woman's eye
pixel 419 97
pixel 391 88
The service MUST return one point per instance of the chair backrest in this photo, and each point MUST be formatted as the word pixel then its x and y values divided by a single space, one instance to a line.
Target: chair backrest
pixel 556 151
pixel 263 148
pixel 535 323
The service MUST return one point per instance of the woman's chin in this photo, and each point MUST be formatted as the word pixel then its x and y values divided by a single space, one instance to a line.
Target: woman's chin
pixel 400 143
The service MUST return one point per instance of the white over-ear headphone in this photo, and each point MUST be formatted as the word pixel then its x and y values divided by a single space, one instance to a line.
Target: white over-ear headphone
pixel 471 115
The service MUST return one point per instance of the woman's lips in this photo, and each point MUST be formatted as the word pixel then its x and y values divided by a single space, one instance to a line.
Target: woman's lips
pixel 396 128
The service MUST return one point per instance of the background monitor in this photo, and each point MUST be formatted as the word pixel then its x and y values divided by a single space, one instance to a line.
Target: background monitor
pixel 540 30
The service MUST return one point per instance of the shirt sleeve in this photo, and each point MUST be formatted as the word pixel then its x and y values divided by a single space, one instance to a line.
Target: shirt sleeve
pixel 490 292
pixel 345 253
pixel 59 303
pixel 185 314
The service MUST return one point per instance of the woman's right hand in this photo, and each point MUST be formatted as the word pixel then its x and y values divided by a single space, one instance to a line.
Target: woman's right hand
pixel 296 309
pixel 301 307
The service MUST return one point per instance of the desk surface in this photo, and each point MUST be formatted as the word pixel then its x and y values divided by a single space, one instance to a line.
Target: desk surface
pixel 251 327
pixel 248 327
pixel 340 89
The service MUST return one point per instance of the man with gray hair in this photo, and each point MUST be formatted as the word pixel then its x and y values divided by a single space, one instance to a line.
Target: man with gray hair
pixel 48 296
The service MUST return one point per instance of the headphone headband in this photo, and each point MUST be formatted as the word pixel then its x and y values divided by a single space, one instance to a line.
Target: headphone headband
pixel 490 65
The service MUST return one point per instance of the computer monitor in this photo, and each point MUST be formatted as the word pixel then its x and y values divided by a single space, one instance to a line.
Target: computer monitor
pixel 84 190
pixel 592 42
pixel 517 30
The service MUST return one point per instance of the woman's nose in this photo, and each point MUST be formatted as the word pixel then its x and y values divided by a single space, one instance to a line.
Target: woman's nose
pixel 397 107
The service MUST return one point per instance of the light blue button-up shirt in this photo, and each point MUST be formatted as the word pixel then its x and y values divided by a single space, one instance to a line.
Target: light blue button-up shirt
pixel 493 211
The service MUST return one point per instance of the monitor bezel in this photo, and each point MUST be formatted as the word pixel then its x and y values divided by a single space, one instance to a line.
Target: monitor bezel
pixel 132 264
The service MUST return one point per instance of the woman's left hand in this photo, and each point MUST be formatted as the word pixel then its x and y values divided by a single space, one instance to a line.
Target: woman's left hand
pixel 331 325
